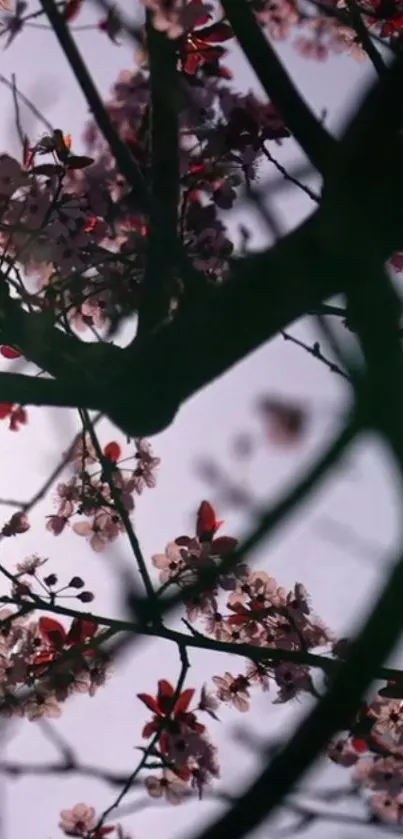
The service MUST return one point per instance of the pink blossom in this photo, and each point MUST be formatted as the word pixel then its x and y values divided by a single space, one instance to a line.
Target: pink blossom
pixel 291 679
pixel 387 807
pixel 147 464
pixel 170 563
pixel 168 784
pixel 233 690
pixel 31 564
pixel 78 821
pixel 104 528
pixel 340 751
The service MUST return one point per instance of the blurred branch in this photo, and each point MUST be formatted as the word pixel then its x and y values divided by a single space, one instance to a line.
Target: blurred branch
pixel 364 37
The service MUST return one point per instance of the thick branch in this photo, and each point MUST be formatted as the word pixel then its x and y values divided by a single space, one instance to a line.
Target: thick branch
pixel 164 136
pixel 32 390
pixel 142 387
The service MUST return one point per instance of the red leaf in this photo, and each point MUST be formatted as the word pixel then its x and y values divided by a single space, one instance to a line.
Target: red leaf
pixel 112 451
pixel 52 631
pixel 184 701
pixel 217 33
pixel 9 352
pixel 359 745
pixel 5 409
pixel 44 658
pixel 205 51
pixel 150 702
pixel 78 161
pixel 80 631
pixel 238 620
pixel 165 690
pixel 72 9
pixel 206 524
pixel 149 728
pixel 192 62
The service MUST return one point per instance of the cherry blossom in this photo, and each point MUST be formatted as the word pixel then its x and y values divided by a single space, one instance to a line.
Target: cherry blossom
pixel 233 690
pixel 78 821
pixel 104 528
pixel 169 785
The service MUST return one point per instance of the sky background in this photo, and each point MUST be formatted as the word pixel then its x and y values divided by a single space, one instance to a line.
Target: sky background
pixel 342 574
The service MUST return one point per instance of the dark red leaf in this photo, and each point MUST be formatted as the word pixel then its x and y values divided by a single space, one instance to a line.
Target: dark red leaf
pixel 206 524
pixel 184 701
pixel 78 161
pixel 72 9
pixel 217 33
pixel 47 169
pixel 223 545
pixel 165 690
pixel 150 702
pixel 80 631
pixel 52 631
pixel 149 728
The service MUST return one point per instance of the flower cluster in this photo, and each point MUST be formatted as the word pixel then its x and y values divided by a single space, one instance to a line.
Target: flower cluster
pixel 259 613
pixel 42 664
pixel 101 492
pixel 181 743
pixel 373 746
pixel 243 607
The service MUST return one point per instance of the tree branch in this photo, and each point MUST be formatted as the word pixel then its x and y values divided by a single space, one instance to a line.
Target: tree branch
pixel 164 135
pixel 318 145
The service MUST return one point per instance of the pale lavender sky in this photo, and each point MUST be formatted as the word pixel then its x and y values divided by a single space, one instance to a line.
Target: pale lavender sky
pixel 340 578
